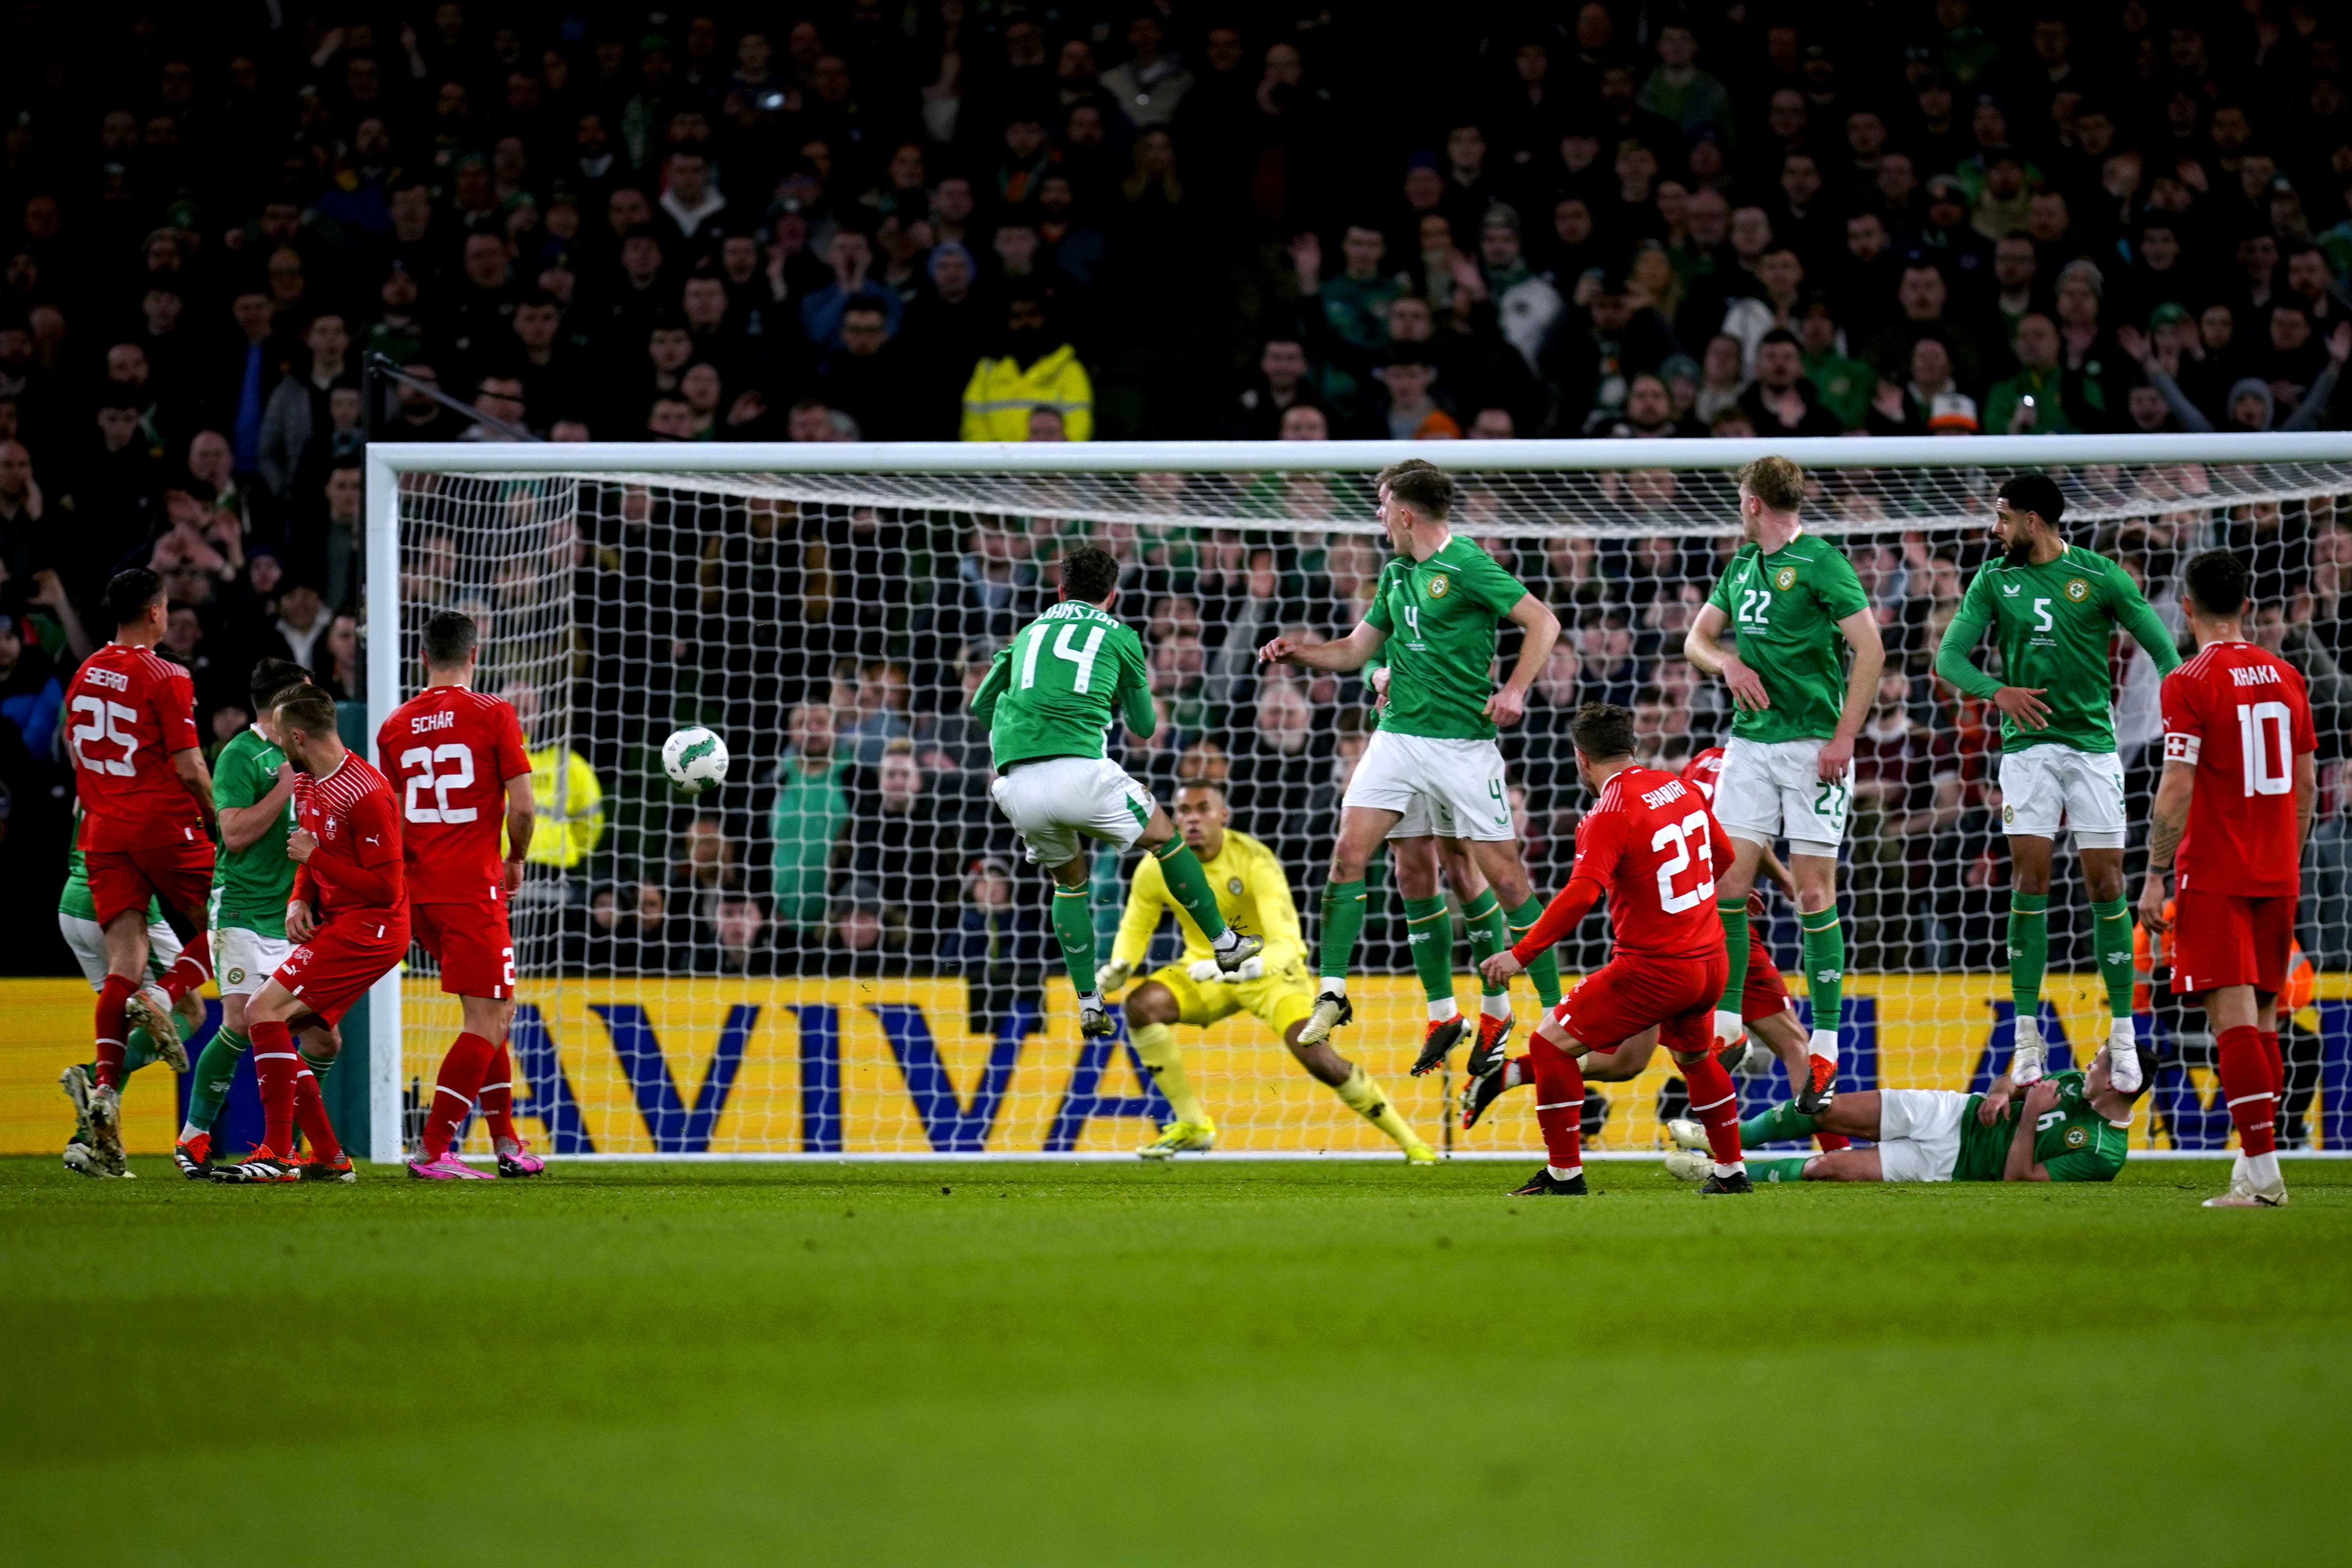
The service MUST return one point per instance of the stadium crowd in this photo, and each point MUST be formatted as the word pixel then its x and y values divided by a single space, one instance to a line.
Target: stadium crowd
pixel 947 219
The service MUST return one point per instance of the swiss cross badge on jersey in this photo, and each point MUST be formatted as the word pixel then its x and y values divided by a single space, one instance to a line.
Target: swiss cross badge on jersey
pixel 327 829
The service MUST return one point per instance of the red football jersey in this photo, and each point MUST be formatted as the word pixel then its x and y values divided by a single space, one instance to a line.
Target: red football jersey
pixel 357 823
pixel 129 710
pixel 452 752
pixel 1652 842
pixel 2238 715
pixel 1704 772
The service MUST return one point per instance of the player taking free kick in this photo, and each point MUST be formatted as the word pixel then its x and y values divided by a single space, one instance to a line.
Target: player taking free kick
pixel 1049 699
pixel 1271 988
pixel 1787 597
pixel 1435 610
pixel 457 757
pixel 1651 848
pixel 2054 608
pixel 2234 806
pixel 146 831
pixel 346 850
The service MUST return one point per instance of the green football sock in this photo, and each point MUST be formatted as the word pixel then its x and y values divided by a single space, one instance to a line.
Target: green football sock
pixel 1488 936
pixel 1824 953
pixel 1545 969
pixel 2029 950
pixel 209 1084
pixel 319 1069
pixel 1790 1168
pixel 1343 921
pixel 1074 929
pixel 137 1052
pixel 1733 913
pixel 1189 886
pixel 1429 932
pixel 2115 931
pixel 1782 1125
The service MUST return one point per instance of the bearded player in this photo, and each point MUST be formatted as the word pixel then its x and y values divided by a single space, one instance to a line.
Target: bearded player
pixel 2230 817
pixel 456 757
pixel 1273 987
pixel 1435 610
pixel 346 850
pixel 2054 608
pixel 146 832
pixel 1651 848
pixel 1764 1008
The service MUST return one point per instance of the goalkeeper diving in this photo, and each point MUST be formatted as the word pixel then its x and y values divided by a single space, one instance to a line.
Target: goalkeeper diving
pixel 1274 987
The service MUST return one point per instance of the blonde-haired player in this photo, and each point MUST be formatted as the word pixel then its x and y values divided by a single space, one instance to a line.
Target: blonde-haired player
pixel 1274 987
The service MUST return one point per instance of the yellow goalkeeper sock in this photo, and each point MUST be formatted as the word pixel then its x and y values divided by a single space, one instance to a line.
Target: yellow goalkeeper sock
pixel 1362 1094
pixel 1155 1044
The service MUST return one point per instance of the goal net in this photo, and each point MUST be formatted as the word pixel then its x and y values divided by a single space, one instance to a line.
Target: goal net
pixel 842 952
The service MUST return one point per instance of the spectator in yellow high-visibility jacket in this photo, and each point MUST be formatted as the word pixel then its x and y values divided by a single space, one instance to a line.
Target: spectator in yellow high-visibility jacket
pixel 569 797
pixel 1036 369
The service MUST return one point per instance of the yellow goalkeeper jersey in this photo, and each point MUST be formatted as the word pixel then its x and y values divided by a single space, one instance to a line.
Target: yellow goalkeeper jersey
pixel 1252 894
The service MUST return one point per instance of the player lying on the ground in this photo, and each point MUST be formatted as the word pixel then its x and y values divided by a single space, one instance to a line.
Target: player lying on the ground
pixel 77 923
pixel 2235 804
pixel 1435 610
pixel 2070 1127
pixel 347 844
pixel 146 833
pixel 2054 609
pixel 458 754
pixel 1273 987
pixel 252 879
pixel 1048 700
pixel 1650 845
pixel 1764 1009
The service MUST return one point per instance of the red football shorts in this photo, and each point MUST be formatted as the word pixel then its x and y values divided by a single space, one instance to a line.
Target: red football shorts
pixel 352 952
pixel 1766 993
pixel 472 946
pixel 1631 993
pixel 2221 939
pixel 179 874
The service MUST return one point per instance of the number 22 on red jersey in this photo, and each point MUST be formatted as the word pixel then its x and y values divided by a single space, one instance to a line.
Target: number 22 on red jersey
pixel 449 752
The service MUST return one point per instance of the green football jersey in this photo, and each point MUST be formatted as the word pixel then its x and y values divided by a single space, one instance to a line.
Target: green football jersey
pixel 250 886
pixel 1784 609
pixel 74 899
pixel 1442 662
pixel 2052 624
pixel 2072 1142
pixel 1054 690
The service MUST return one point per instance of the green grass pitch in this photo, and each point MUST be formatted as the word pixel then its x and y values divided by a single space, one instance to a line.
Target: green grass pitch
pixel 1219 1363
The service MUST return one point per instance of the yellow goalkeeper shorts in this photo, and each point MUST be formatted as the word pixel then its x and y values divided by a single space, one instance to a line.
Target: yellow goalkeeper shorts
pixel 1278 1000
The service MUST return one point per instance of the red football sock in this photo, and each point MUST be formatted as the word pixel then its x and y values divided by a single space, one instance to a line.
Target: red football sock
pixel 275 1064
pixel 497 1095
pixel 460 1080
pixel 2278 1073
pixel 310 1110
pixel 2246 1085
pixel 193 967
pixel 1830 1143
pixel 1560 1103
pixel 1716 1105
pixel 112 1030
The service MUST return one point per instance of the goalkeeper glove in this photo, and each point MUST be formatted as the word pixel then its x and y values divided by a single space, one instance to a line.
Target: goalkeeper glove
pixel 1111 976
pixel 1207 970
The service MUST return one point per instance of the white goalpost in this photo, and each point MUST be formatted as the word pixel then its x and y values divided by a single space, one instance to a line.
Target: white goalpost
pixel 840 954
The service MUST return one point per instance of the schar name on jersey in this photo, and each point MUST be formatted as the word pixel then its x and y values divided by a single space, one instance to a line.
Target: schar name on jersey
pixel 425 723
pixel 1671 790
pixel 2255 675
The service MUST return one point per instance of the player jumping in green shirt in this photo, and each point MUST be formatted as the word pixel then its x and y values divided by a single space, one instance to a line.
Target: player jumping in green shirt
pixel 1788 597
pixel 252 879
pixel 2053 609
pixel 2070 1127
pixel 1048 700
pixel 1434 611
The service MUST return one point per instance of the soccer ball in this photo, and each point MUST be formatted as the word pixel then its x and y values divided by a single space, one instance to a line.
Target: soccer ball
pixel 695 759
